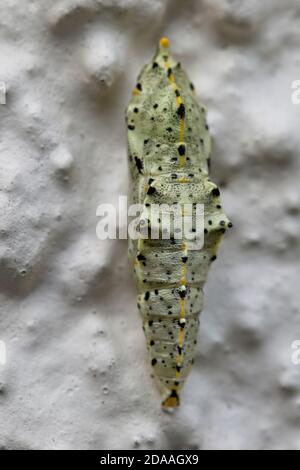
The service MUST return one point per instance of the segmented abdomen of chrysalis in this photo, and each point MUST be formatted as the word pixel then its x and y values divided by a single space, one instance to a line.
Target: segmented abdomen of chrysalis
pixel 169 149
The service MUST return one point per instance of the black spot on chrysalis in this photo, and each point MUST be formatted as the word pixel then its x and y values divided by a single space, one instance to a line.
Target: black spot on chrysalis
pixel 139 164
pixel 151 190
pixel 181 111
pixel 181 149
pixel 215 192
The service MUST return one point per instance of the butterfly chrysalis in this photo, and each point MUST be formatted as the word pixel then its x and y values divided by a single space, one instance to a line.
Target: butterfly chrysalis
pixel 169 149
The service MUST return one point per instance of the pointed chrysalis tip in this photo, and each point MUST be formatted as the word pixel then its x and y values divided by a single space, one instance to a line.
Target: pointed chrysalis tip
pixel 172 401
pixel 164 42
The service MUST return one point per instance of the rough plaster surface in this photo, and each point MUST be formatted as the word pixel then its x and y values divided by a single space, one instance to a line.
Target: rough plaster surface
pixel 76 374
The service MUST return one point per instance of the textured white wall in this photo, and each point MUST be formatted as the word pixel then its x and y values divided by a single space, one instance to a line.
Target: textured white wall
pixel 76 374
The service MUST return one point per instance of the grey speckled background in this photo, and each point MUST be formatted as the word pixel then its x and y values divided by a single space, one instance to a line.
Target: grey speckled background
pixel 76 374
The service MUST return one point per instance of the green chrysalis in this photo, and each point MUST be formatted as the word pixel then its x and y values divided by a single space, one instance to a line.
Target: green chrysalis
pixel 169 149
